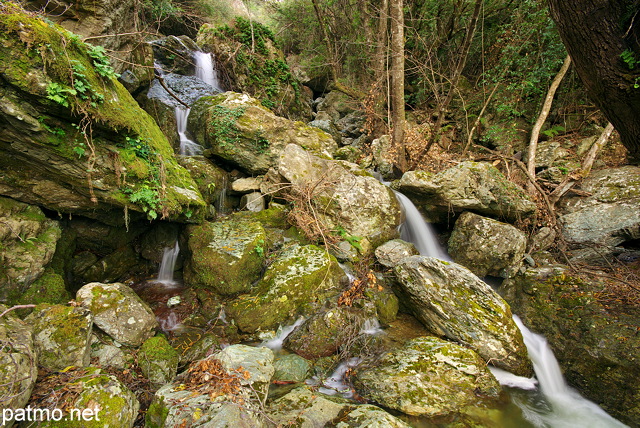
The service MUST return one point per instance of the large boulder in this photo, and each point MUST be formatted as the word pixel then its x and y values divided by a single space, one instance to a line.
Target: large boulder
pixel 62 336
pixel 226 256
pixel 609 216
pixel 102 399
pixel 429 377
pixel 469 186
pixel 72 138
pixel 18 362
pixel 256 364
pixel 486 246
pixel 302 277
pixel 594 338
pixel 119 312
pixel 158 360
pixel 175 54
pixel 28 241
pixel 341 196
pixel 239 130
pixel 254 65
pixel 452 302
pixel 305 407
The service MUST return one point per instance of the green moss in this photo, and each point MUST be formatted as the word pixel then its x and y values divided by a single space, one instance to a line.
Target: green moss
pixel 49 288
pixel 156 414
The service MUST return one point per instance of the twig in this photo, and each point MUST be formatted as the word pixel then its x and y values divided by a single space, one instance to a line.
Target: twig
pixel 13 308
pixel 164 85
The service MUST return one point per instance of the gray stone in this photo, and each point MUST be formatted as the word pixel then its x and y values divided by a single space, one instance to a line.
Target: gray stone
pixel 62 336
pixel 469 186
pixel 246 185
pixel 452 302
pixel 291 368
pixel 392 252
pixel 486 246
pixel 252 202
pixel 18 362
pixel 119 312
pixel 256 365
pixel 429 377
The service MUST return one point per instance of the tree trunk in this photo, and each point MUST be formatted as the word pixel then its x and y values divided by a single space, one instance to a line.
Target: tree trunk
pixel 327 42
pixel 596 33
pixel 546 108
pixel 397 82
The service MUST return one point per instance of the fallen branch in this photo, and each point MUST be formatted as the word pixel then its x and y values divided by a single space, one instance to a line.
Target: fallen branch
pixel 13 308
pixel 164 85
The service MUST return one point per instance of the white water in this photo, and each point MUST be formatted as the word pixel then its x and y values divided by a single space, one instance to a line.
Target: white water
pixel 566 408
pixel 371 326
pixel 335 384
pixel 188 147
pixel 419 232
pixel 222 198
pixel 168 264
pixel 282 333
pixel 205 69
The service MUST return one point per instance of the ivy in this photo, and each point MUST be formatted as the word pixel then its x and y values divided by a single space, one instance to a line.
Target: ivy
pixel 223 124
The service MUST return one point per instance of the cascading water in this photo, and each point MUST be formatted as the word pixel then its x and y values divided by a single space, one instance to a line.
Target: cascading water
pixel 205 71
pixel 282 333
pixel 565 408
pixel 550 402
pixel 419 232
pixel 168 264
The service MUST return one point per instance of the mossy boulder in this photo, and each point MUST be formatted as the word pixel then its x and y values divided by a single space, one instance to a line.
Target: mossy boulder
pixel 301 278
pixel 119 312
pixel 486 246
pixel 226 256
pixel 210 178
pixel 595 340
pixel 256 66
pixel 49 288
pixel 62 336
pixel 27 244
pixel 343 198
pixel 237 129
pixel 18 362
pixel 72 138
pixel 109 401
pixel 469 186
pixel 452 302
pixel 323 333
pixel 429 377
pixel 158 360
pixel 291 368
pixel 305 407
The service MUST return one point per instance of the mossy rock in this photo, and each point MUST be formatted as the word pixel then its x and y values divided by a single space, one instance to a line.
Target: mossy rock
pixel 66 113
pixel 158 360
pixel 49 288
pixel 61 336
pixel 226 256
pixel 429 377
pixel 303 276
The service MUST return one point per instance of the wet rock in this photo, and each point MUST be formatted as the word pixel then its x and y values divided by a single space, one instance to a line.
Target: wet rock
pixel 119 312
pixel 157 239
pixel 28 241
pixel 210 178
pixel 429 377
pixel 596 342
pixel 158 360
pixel 226 256
pixel 175 54
pixel 291 368
pixel 302 277
pixel 322 334
pixel 305 407
pixel 486 246
pixel 239 130
pixel 385 302
pixel 452 302
pixel 344 196
pixel 61 336
pixel 18 362
pixel 469 186
pixel 188 89
pixel 392 252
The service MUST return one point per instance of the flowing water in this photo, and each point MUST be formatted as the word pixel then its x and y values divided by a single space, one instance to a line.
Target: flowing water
pixel 282 333
pixel 168 265
pixel 546 401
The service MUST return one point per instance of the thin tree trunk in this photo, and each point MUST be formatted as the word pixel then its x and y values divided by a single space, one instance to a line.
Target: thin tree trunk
pixel 397 82
pixel 546 108
pixel 464 53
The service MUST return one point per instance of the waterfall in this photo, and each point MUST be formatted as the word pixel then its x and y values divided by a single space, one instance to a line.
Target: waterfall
pixel 169 257
pixel 188 147
pixel 222 198
pixel 419 232
pixel 282 333
pixel 566 408
pixel 205 69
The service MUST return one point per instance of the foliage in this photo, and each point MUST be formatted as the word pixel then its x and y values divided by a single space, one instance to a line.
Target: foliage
pixel 223 124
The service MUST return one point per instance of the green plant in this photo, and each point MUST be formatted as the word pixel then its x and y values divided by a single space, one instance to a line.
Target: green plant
pixel 259 249
pixel 223 124
pixel 351 239
pixel 101 61
pixel 80 150
pixel 60 93
pixel 147 197
pixel 629 58
pixel 554 131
